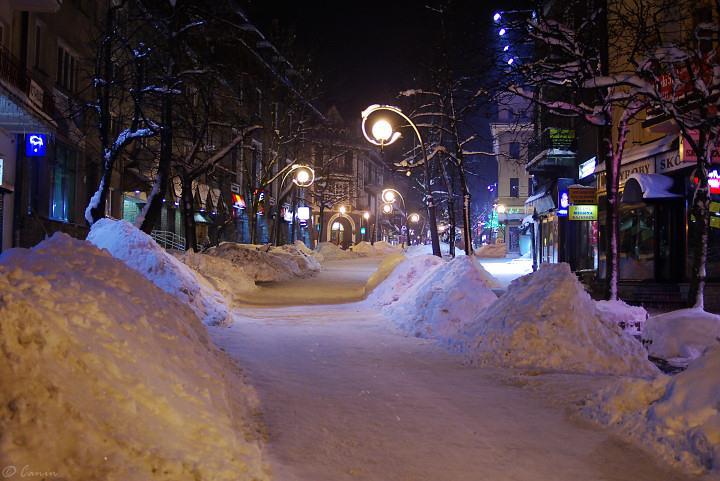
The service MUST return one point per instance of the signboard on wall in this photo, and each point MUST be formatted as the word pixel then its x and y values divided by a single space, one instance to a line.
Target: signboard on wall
pixel 35 145
pixel 582 212
pixel 563 202
pixel 587 168
pixel 2 164
pixel 582 195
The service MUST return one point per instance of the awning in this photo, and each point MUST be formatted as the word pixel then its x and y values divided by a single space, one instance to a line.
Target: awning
pixel 639 187
pixel 543 200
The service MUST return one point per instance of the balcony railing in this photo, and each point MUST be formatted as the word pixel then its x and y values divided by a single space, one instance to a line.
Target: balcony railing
pixel 12 72
pixel 552 138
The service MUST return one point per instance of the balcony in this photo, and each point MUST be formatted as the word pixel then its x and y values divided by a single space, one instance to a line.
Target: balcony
pixel 18 78
pixel 43 6
pixel 553 150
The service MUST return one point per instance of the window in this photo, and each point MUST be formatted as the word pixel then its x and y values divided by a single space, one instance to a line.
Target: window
pixel 62 189
pixel 514 187
pixel 66 69
pixel 515 150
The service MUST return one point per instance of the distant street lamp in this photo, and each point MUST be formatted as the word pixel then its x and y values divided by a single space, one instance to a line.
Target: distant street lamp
pixel 342 209
pixel 389 196
pixel 384 134
pixel 303 176
pixel 387 208
pixel 414 218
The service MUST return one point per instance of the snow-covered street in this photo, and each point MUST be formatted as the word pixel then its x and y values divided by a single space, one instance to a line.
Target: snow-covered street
pixel 345 395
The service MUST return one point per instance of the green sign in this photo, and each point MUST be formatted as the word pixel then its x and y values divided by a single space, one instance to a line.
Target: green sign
pixel 583 212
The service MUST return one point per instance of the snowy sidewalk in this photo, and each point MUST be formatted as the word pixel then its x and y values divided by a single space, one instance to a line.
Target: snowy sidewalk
pixel 347 397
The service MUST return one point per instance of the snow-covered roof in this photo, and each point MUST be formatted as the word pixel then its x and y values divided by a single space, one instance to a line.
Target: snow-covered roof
pixel 551 153
pixel 640 187
pixel 651 149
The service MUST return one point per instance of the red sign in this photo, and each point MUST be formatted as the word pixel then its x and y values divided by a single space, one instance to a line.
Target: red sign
pixel 713 181
pixel 681 80
pixel 238 201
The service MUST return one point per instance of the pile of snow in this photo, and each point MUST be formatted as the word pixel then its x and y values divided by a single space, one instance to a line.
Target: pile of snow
pixel 327 251
pixel 677 417
pixel 403 275
pixel 300 245
pixel 426 249
pixel 103 375
pixel 546 320
pixel 492 250
pixel 681 336
pixel 630 318
pixel 380 248
pixel 265 264
pixel 386 267
pixel 442 300
pixel 233 283
pixel 140 252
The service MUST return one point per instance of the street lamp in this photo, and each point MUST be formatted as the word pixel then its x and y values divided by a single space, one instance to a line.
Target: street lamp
pixel 342 209
pixel 387 208
pixel 389 196
pixel 414 218
pixel 303 176
pixel 501 209
pixel 384 134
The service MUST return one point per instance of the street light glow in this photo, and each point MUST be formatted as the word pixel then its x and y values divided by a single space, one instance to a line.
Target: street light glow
pixel 387 208
pixel 497 16
pixel 510 61
pixel 506 48
pixel 388 196
pixel 302 176
pixel 502 32
pixel 382 131
pixel 343 209
pixel 501 209
pixel 415 217
pixel 366 215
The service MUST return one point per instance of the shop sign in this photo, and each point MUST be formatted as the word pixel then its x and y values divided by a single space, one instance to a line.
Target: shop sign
pixel 687 154
pixel 235 188
pixel 583 212
pixel 587 168
pixel 2 162
pixel 582 195
pixel 643 167
pixel 563 202
pixel 713 181
pixel 714 207
pixel 35 145
pixel 238 201
pixel 670 162
pixel 715 222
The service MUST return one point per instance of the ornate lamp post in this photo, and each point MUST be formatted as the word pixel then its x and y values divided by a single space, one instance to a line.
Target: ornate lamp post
pixel 303 176
pixel 384 134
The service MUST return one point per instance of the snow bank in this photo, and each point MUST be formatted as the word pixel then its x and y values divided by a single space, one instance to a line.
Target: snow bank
pixel 442 300
pixel 380 248
pixel 630 318
pixel 233 283
pixel 426 249
pixel 403 276
pixel 330 252
pixel 681 336
pixel 677 416
pixel 265 264
pixel 140 252
pixel 491 250
pixel 103 375
pixel 547 320
pixel 386 267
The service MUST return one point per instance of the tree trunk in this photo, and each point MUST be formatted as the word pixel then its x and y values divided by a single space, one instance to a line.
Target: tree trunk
pixel 153 209
pixel 467 228
pixel 321 220
pixel 188 210
pixel 700 208
pixel 451 207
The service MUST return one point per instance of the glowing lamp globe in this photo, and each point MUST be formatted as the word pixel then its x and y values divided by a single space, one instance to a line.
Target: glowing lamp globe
pixel 382 131
pixel 501 209
pixel 387 208
pixel 496 17
pixel 414 218
pixel 342 209
pixel 388 196
pixel 302 176
pixel 366 215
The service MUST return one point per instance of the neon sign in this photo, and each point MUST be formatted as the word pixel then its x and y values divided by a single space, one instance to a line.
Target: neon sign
pixel 35 145
pixel 713 181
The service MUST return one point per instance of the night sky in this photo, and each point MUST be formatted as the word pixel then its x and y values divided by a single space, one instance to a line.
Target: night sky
pixel 368 51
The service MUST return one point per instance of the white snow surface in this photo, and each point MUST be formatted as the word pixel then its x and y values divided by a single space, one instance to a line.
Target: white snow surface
pixel 683 335
pixel 676 417
pixel 546 320
pixel 426 249
pixel 103 375
pixel 327 251
pixel 441 299
pixel 140 252
pixel 630 318
pixel 380 248
pixel 265 263
pixel 492 250
pixel 401 277
pixel 232 282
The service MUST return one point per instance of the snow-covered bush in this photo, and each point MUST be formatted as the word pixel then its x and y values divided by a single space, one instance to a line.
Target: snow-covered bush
pixel 681 336
pixel 103 375
pixel 547 320
pixel 677 416
pixel 140 252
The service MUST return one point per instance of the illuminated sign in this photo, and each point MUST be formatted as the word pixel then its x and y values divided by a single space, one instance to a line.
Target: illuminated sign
pixel 582 195
pixel 713 181
pixel 35 145
pixel 715 222
pixel 582 212
pixel 362 230
pixel 303 213
pixel 2 162
pixel 587 168
pixel 238 201
pixel 563 203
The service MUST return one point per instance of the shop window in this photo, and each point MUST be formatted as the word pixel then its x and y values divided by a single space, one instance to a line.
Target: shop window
pixel 637 243
pixel 62 191
pixel 514 187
